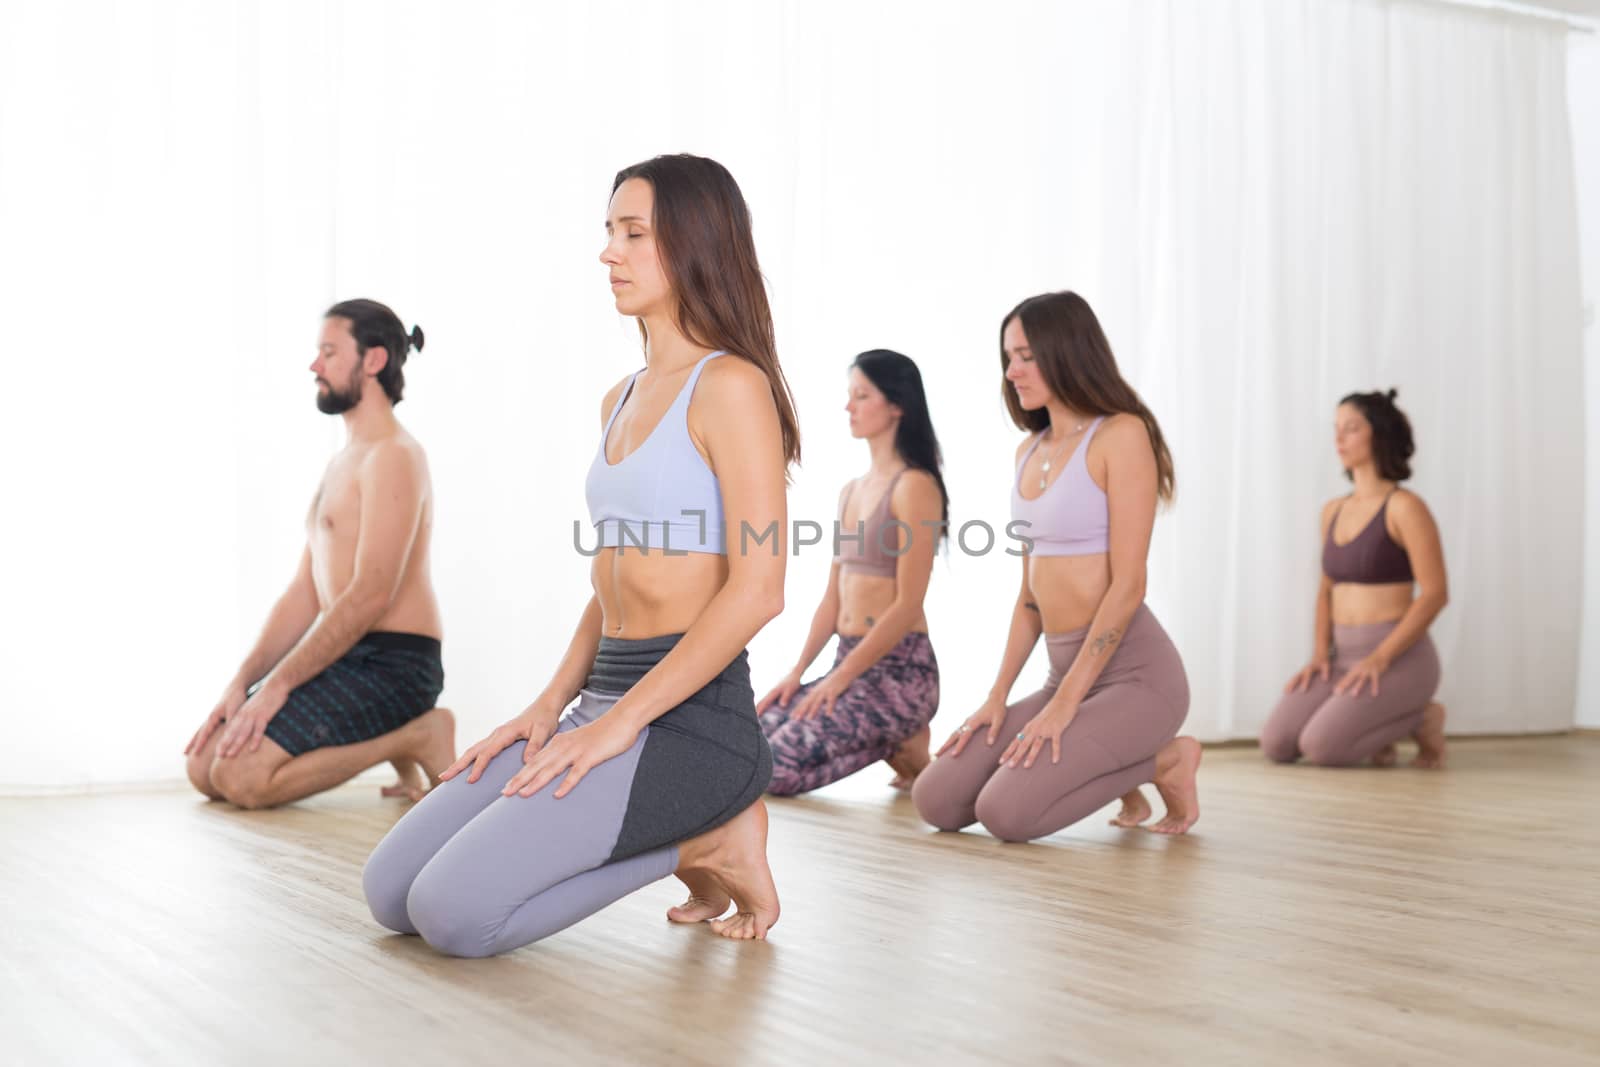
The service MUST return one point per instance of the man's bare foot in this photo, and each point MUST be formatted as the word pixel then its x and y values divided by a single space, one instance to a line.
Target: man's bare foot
pixel 430 747
pixel 1176 768
pixel 1385 756
pixel 409 781
pixel 910 759
pixel 734 858
pixel 1430 739
pixel 1135 810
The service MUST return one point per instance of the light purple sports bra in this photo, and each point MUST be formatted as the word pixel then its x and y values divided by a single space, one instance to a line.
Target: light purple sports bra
pixel 661 496
pixel 1069 517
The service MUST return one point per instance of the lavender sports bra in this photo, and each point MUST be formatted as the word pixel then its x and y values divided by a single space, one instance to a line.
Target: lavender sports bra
pixel 661 496
pixel 874 552
pixel 1069 517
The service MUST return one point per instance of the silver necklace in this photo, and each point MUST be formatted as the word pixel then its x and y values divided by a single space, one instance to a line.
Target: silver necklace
pixel 1044 471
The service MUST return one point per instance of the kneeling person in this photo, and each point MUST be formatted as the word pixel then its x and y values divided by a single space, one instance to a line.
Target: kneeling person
pixel 347 669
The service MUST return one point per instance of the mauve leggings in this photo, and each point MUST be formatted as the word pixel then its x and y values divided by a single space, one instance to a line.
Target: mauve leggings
pixel 1341 731
pixel 1134 708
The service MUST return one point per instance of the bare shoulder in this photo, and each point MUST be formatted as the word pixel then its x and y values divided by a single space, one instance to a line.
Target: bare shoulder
pixel 734 380
pixel 1405 505
pixel 1023 445
pixel 1124 431
pixel 916 485
pixel 397 461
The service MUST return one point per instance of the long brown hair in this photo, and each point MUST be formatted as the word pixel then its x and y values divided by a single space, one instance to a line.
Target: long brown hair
pixel 1075 359
pixel 702 227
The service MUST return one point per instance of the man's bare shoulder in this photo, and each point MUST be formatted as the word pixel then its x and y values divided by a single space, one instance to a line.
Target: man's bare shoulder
pixel 399 459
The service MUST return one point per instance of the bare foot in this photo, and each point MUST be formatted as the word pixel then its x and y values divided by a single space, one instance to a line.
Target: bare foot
pixel 1176 768
pixel 734 857
pixel 1135 810
pixel 1385 756
pixel 430 747
pixel 707 899
pixel 910 759
pixel 1430 739
pixel 409 781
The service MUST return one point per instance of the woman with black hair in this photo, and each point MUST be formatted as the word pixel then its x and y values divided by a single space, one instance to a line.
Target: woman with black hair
pixel 1373 669
pixel 876 701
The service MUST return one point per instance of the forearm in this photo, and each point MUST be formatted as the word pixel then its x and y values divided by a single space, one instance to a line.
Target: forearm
pixel 1411 627
pixel 885 633
pixel 821 632
pixel 1026 626
pixel 1106 631
pixel 288 621
pixel 735 615
pixel 1323 630
pixel 345 622
pixel 576 664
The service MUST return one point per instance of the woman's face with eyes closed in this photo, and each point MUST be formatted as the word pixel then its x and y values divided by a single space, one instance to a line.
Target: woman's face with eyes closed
pixel 638 280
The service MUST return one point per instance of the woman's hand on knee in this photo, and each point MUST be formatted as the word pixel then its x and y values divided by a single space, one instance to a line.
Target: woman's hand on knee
pixel 781 693
pixel 533 726
pixel 1044 728
pixel 1366 670
pixel 577 752
pixel 1317 668
pixel 988 719
pixel 821 698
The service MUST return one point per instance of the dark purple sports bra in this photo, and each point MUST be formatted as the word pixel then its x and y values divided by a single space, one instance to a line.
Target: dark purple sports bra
pixel 1370 558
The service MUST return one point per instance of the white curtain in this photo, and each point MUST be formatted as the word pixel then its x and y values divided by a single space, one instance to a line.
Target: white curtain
pixel 1270 203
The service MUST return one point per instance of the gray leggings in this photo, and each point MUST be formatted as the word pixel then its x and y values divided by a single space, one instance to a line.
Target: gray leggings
pixel 1135 707
pixel 476 873
pixel 1341 731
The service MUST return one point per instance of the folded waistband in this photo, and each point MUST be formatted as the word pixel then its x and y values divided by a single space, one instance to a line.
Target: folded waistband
pixel 391 641
pixel 620 662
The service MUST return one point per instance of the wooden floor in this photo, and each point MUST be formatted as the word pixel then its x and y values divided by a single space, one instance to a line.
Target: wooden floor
pixel 1313 916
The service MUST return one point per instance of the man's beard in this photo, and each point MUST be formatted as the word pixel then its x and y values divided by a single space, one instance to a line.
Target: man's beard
pixel 338 401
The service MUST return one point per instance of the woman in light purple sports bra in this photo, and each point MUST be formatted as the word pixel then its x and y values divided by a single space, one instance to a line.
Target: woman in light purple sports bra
pixel 659 764
pixel 1086 485
pixel 1373 669
pixel 883 688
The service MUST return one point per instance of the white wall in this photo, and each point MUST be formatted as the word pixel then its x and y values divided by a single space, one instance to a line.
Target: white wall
pixel 1263 200
pixel 1583 82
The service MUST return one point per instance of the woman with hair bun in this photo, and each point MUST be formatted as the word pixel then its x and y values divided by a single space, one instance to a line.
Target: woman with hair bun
pixel 1373 669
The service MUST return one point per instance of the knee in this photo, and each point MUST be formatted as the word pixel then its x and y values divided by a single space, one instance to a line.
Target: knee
pixel 1279 747
pixel 198 768
pixel 937 806
pixel 1000 816
pixel 1323 750
pixel 447 920
pixel 240 784
pixel 785 781
pixel 386 889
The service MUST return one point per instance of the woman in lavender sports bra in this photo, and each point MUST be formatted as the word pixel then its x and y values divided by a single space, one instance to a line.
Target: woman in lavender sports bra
pixel 877 699
pixel 1373 669
pixel 659 764
pixel 1087 482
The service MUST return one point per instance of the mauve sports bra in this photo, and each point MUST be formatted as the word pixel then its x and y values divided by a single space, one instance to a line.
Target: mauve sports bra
pixel 1369 558
pixel 1069 517
pixel 662 493
pixel 875 551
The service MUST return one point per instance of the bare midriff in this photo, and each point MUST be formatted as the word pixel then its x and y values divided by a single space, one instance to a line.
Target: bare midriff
pixel 1068 589
pixel 1357 604
pixel 648 594
pixel 863 600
